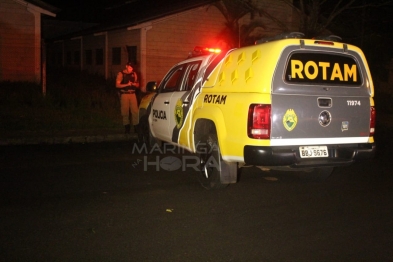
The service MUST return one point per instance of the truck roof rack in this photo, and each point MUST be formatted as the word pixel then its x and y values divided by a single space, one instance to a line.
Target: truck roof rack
pixel 280 36
pixel 329 38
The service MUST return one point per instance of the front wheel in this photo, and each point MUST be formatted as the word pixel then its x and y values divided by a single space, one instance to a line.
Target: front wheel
pixel 152 141
pixel 145 133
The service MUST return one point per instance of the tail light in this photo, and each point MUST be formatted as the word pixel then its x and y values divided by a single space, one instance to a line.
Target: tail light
pixel 259 121
pixel 372 120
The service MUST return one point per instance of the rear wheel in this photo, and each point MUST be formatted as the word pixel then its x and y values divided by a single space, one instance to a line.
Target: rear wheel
pixel 211 163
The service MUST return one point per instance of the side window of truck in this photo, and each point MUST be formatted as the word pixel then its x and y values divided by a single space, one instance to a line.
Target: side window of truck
pixel 173 81
pixel 191 75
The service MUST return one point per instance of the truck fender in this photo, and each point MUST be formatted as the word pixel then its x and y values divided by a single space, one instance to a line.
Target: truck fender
pixel 211 119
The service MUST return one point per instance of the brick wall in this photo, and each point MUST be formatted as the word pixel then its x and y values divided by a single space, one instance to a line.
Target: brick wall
pixel 170 40
pixel 122 39
pixel 17 43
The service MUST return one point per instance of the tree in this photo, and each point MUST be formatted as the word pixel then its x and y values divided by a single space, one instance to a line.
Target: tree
pixel 365 23
pixel 316 16
pixel 233 11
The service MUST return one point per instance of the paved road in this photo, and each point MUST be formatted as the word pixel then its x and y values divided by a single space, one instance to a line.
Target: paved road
pixel 102 202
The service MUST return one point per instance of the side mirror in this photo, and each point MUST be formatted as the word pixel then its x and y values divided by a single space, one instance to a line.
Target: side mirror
pixel 151 86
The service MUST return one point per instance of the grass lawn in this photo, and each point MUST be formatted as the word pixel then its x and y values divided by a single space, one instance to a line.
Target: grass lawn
pixel 79 103
pixel 74 102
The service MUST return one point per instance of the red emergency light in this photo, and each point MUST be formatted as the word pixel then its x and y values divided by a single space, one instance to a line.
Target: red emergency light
pixel 198 50
pixel 213 50
pixel 318 42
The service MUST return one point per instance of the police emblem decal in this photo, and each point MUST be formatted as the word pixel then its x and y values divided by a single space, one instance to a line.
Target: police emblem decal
pixel 179 113
pixel 290 120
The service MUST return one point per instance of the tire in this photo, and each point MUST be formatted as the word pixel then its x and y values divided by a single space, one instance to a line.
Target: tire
pixel 153 141
pixel 143 129
pixel 146 133
pixel 210 163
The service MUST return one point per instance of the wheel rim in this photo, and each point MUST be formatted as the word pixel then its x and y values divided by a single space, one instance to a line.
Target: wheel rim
pixel 204 165
pixel 210 163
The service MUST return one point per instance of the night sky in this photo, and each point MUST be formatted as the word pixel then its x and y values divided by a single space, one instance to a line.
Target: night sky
pixel 81 10
pixel 103 10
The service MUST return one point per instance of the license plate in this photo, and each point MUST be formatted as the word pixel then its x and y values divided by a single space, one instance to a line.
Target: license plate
pixel 313 151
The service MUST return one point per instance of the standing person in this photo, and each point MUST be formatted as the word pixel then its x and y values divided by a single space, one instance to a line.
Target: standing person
pixel 127 84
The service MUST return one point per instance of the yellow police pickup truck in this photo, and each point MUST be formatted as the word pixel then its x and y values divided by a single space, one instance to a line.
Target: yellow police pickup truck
pixel 285 103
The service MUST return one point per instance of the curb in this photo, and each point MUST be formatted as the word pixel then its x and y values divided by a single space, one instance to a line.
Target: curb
pixel 68 140
pixel 382 127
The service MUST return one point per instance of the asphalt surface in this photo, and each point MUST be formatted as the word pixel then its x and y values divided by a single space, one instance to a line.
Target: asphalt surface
pixel 107 202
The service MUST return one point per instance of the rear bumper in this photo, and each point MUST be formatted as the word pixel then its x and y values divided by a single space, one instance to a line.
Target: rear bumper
pixel 339 155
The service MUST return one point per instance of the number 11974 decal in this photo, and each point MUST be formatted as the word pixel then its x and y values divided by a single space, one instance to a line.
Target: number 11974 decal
pixel 313 151
pixel 353 102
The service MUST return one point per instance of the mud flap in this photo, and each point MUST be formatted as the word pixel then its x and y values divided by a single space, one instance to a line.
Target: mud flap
pixel 228 172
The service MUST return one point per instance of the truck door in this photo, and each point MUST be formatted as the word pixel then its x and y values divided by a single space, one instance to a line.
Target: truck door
pixel 181 101
pixel 161 107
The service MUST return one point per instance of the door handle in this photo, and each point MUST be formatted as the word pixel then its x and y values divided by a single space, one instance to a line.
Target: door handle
pixel 325 102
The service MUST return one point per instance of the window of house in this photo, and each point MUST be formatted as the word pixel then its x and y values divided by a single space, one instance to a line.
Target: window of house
pixel 59 58
pixel 99 56
pixel 173 81
pixel 69 58
pixel 131 50
pixel 53 59
pixel 77 57
pixel 116 56
pixel 89 57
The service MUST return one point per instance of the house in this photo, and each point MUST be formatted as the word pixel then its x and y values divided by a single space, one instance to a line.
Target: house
pixel 20 39
pixel 153 34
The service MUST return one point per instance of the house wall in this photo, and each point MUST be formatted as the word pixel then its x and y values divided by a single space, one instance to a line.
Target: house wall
pixel 163 42
pixel 104 41
pixel 72 48
pixel 18 47
pixel 55 56
pixel 122 38
pixel 94 43
pixel 170 40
